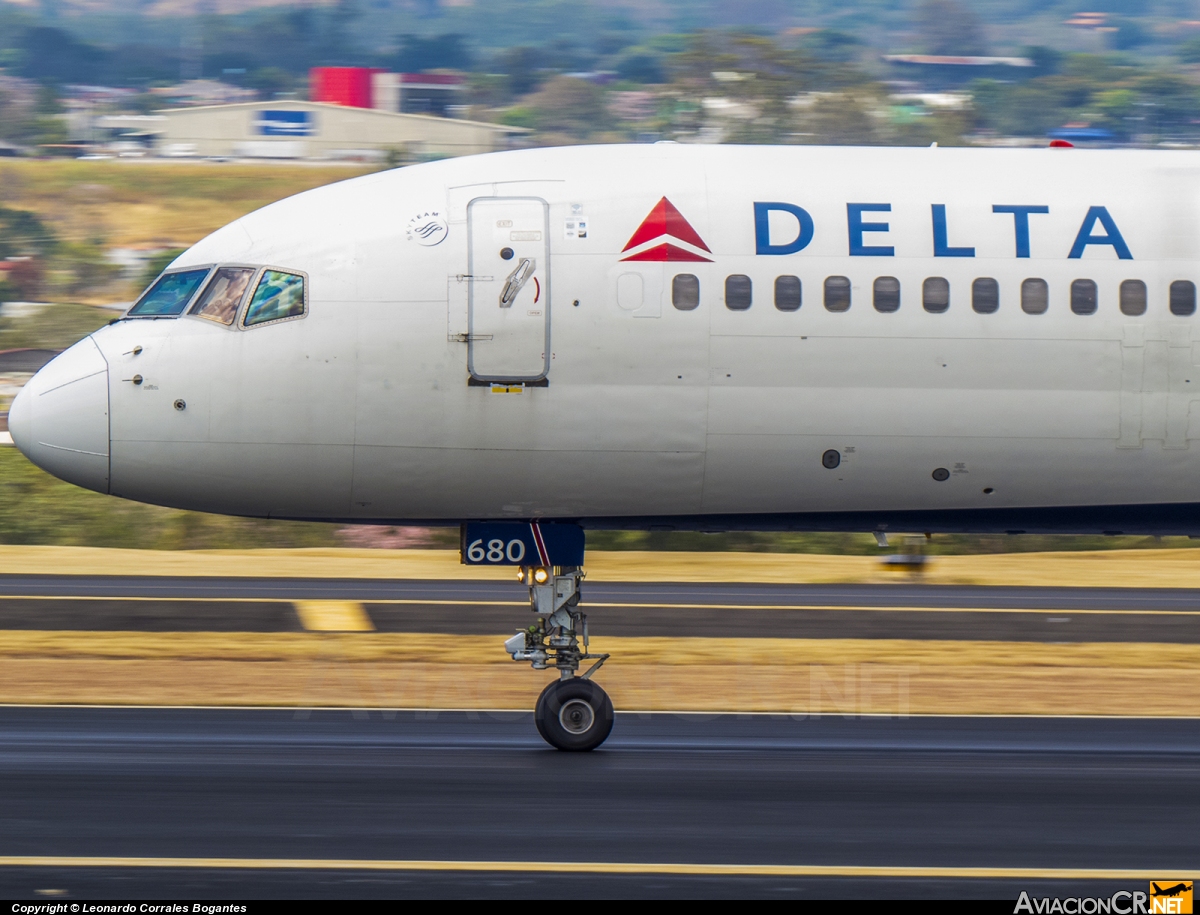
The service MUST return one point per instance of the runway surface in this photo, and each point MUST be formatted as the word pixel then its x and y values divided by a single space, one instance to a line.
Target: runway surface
pixel 338 789
pixel 902 610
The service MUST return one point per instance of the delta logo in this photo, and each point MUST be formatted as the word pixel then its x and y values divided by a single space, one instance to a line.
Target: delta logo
pixel 1170 898
pixel 677 241
pixel 781 229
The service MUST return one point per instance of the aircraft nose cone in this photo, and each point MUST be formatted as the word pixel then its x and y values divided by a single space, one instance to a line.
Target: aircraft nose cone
pixel 59 420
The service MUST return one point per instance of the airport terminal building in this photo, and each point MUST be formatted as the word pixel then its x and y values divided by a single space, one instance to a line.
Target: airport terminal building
pixel 315 130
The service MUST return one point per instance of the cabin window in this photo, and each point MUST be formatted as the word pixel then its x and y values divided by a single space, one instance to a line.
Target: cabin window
pixel 170 294
pixel 787 293
pixel 279 295
pixel 1035 297
pixel 685 291
pixel 935 294
pixel 220 300
pixel 837 293
pixel 1083 297
pixel 1183 297
pixel 887 294
pixel 1133 297
pixel 985 295
pixel 738 291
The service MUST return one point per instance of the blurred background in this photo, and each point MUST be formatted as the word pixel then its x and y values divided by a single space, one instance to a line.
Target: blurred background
pixel 129 130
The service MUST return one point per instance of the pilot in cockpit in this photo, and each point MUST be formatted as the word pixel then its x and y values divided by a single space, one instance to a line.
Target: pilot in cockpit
pixel 223 295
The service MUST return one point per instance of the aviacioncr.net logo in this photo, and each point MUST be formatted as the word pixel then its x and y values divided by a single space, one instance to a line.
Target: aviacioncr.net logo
pixel 1124 902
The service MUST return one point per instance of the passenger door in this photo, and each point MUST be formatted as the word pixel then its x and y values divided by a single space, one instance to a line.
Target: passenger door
pixel 509 309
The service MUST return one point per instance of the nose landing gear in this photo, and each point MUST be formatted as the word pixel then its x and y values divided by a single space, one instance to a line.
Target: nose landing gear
pixel 573 713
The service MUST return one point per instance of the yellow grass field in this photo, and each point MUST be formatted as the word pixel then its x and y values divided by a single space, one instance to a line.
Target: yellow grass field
pixel 128 202
pixel 783 676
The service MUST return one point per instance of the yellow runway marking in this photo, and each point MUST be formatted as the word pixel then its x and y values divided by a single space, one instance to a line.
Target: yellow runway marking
pixel 602 867
pixel 333 616
pixel 412 601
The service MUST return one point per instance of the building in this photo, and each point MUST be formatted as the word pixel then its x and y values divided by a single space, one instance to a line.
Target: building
pixel 428 93
pixel 316 130
pixel 366 87
pixel 351 87
pixel 933 70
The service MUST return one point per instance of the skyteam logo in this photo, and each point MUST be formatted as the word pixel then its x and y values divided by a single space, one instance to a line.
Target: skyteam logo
pixel 427 229
pixel 677 240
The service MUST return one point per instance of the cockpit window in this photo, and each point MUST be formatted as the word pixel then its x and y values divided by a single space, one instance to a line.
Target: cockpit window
pixel 223 295
pixel 279 295
pixel 170 294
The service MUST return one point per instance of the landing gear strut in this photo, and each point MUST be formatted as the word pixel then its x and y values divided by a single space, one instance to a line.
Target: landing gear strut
pixel 573 713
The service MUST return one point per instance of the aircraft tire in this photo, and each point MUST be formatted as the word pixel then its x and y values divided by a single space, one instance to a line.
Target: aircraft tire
pixel 539 710
pixel 574 715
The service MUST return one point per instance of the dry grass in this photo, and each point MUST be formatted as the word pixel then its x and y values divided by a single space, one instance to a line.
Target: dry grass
pixel 676 652
pixel 414 670
pixel 135 203
pixel 844 689
pixel 1165 568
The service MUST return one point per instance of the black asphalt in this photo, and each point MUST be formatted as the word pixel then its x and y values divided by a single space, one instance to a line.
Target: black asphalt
pixel 924 792
pixel 666 609
pixel 901 594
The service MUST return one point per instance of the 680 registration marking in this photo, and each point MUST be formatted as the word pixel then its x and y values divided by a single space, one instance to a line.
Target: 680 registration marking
pixel 516 543
pixel 496 551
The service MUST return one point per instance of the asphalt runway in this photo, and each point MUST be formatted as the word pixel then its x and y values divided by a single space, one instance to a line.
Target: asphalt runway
pixel 374 802
pixel 902 610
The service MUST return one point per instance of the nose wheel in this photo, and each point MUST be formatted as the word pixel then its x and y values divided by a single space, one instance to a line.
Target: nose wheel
pixel 574 715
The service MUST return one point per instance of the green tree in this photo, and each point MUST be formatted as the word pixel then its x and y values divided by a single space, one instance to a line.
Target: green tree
pixel 949 27
pixel 570 107
pixel 749 69
pixel 22 234
pixel 1189 51
pixel 417 54
pixel 831 44
pixel 1129 34
pixel 88 266
pixel 520 64
pixel 269 82
pixel 1116 108
pixel 640 65
pixel 1046 61
pixel 1169 102
pixel 843 119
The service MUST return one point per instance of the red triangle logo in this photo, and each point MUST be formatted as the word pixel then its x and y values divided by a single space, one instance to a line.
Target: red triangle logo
pixel 667 252
pixel 664 219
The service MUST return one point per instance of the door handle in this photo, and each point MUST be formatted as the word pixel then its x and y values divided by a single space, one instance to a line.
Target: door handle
pixel 515 281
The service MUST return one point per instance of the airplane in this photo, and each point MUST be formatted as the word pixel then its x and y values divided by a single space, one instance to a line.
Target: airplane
pixel 536 342
pixel 1170 890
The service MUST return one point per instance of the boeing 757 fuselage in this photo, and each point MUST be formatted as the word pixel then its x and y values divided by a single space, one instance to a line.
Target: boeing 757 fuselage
pixel 666 336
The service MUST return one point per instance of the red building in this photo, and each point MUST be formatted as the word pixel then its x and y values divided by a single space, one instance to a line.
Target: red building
pixel 348 86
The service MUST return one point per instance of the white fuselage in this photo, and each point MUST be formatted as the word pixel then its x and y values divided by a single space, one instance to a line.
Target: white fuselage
pixel 410 390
